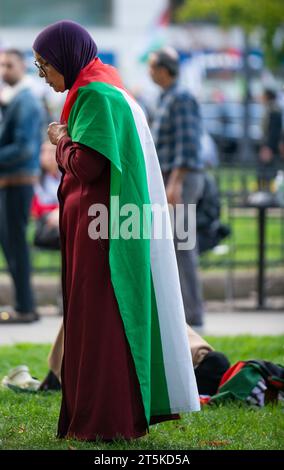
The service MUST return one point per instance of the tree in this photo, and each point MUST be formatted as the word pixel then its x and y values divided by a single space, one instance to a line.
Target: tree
pixel 265 15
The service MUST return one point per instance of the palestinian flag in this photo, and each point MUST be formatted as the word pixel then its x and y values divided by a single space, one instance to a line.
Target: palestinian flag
pixel 103 116
pixel 256 382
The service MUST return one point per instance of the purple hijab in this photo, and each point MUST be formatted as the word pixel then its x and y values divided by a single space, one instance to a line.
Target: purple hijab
pixel 68 47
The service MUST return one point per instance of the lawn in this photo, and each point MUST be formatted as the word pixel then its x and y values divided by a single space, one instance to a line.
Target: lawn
pixel 243 242
pixel 28 421
pixel 242 245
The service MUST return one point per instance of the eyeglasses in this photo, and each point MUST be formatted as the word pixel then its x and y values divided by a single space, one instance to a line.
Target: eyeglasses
pixel 41 69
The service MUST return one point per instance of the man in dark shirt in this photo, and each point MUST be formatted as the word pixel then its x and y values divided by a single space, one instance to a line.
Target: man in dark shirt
pixel 20 140
pixel 176 130
pixel 269 150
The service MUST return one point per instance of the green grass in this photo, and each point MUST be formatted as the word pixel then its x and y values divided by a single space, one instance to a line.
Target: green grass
pixel 28 421
pixel 234 180
pixel 243 245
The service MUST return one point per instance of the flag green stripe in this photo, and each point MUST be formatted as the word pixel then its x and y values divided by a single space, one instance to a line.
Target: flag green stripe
pixel 160 403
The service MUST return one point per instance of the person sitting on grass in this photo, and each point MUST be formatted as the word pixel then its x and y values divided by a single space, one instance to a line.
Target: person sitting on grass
pixel 209 365
pixel 255 382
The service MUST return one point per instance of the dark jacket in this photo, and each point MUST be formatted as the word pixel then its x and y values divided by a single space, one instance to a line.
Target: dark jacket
pixel 21 136
pixel 272 127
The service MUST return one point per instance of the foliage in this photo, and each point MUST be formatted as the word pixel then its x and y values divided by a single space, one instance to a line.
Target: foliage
pixel 250 15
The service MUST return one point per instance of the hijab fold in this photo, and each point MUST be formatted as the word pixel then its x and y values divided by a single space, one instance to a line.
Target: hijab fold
pixel 68 47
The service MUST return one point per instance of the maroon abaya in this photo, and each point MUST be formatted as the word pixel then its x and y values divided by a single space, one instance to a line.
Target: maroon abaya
pixel 101 392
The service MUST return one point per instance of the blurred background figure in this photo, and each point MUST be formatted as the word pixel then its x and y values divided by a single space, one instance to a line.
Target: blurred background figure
pixel 177 130
pixel 45 198
pixel 226 67
pixel 20 140
pixel 45 206
pixel 281 147
pixel 269 150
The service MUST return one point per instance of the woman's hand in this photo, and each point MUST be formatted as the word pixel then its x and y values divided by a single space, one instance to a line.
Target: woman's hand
pixel 56 131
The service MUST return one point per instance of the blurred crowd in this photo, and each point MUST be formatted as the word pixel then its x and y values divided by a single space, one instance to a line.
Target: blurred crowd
pixel 29 175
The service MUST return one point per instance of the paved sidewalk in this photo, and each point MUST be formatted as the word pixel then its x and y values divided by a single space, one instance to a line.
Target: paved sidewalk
pixel 216 324
pixel 43 331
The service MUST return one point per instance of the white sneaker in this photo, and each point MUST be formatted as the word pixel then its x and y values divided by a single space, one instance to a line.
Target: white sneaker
pixel 20 378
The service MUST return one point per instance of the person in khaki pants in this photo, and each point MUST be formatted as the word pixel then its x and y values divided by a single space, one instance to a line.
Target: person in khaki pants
pixel 56 354
pixel 209 365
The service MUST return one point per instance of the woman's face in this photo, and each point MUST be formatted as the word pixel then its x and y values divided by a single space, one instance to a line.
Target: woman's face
pixel 52 77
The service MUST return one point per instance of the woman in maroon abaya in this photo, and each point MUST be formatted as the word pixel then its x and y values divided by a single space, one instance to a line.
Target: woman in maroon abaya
pixel 101 394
